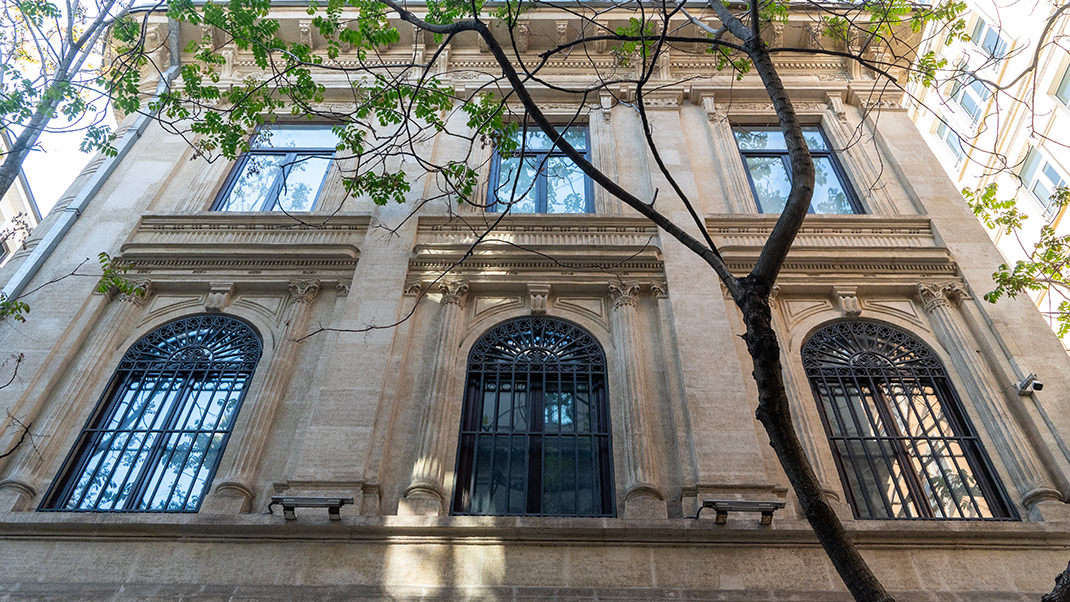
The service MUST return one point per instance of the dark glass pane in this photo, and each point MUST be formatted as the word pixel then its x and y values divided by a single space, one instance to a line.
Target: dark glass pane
pixel 549 464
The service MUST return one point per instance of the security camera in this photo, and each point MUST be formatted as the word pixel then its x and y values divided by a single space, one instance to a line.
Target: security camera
pixel 1029 384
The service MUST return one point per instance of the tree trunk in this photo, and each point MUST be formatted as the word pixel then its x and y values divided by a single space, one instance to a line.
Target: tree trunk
pixel 1061 593
pixel 775 415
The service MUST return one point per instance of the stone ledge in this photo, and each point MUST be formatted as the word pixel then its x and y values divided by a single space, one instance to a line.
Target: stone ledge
pixel 474 529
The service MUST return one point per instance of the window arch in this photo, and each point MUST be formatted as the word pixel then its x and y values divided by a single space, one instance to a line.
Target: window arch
pixel 535 435
pixel 156 436
pixel 902 443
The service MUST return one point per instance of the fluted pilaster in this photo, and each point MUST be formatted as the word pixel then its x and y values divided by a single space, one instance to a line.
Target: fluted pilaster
pixel 940 300
pixel 248 450
pixel 425 493
pixel 642 496
pixel 74 398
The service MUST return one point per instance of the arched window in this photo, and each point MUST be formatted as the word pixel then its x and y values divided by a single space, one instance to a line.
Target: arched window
pixel 903 445
pixel 156 436
pixel 535 436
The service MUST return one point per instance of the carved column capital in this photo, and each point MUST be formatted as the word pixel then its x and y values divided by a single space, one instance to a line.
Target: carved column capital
pixel 412 288
pixel 660 289
pixel 304 291
pixel 454 292
pixel 935 295
pixel 624 292
pixel 342 289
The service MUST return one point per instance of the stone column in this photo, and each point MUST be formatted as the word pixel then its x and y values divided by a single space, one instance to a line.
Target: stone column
pixel 235 491
pixel 74 398
pixel 426 493
pixel 641 497
pixel 1026 474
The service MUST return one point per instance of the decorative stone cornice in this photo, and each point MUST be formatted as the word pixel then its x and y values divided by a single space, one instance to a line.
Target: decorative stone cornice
pixel 624 293
pixel 935 295
pixel 304 291
pixel 454 292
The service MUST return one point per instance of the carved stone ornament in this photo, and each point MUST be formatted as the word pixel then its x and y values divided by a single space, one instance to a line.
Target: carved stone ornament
pixel 454 292
pixel 562 32
pixel 624 293
pixel 605 101
pixel 522 37
pixel 773 294
pixel 342 289
pixel 304 291
pixel 218 297
pixel 305 26
pixel 935 295
pixel 710 107
pixel 836 106
pixel 847 298
pixel 412 288
pixel 660 289
pixel 539 293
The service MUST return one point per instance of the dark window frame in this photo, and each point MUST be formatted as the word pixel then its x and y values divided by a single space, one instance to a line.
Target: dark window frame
pixel 841 175
pixel 495 205
pixel 830 366
pixel 184 373
pixel 532 351
pixel 270 201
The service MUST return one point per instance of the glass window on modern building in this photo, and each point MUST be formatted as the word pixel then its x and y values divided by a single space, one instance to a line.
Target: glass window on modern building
pixel 535 434
pixel 765 157
pixel 1062 91
pixel 155 438
pixel 283 170
pixel 537 177
pixel 972 97
pixel 989 39
pixel 904 447
pixel 1041 177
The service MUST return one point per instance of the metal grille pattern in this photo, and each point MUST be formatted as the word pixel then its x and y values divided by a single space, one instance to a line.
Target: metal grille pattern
pixel 155 440
pixel 535 435
pixel 903 445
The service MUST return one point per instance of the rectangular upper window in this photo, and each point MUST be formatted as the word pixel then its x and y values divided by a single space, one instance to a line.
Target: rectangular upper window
pixel 951 140
pixel 283 170
pixel 1041 177
pixel 537 177
pixel 765 156
pixel 987 38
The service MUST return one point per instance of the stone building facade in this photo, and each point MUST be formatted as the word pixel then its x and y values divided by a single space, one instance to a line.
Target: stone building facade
pixel 594 354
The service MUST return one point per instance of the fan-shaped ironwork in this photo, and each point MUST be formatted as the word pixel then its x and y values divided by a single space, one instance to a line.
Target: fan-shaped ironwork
pixel 156 436
pixel 903 445
pixel 535 436
pixel 538 343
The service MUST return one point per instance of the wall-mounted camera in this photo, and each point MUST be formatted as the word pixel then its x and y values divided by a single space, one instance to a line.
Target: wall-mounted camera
pixel 1029 384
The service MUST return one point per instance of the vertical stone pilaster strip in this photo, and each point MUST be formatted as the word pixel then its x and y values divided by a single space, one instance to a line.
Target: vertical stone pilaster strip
pixel 426 493
pixel 75 398
pixel 261 407
pixel 1025 470
pixel 674 385
pixel 633 366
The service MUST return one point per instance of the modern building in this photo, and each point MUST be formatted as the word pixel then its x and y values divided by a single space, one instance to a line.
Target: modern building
pixel 1013 138
pixel 322 398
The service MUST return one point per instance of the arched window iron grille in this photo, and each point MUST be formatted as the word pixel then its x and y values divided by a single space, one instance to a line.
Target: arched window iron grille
pixel 155 439
pixel 535 433
pixel 902 443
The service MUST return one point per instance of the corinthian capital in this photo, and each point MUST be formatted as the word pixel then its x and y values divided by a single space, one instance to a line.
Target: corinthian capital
pixel 624 292
pixel 454 292
pixel 304 291
pixel 935 295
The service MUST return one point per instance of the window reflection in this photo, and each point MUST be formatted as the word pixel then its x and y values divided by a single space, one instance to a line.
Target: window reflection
pixel 547 181
pixel 158 433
